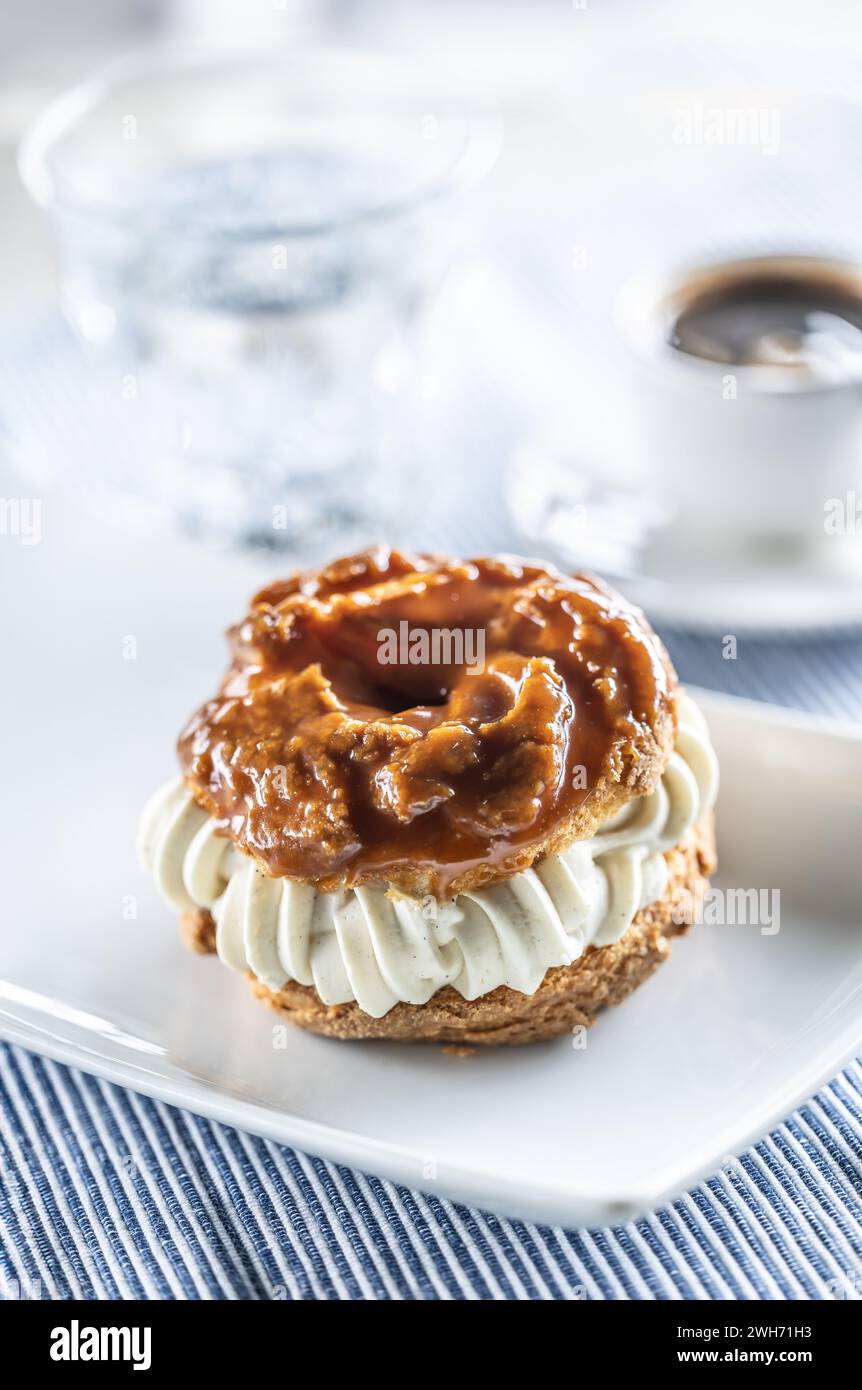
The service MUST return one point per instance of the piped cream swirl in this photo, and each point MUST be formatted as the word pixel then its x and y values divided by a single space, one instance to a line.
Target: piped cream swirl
pixel 378 949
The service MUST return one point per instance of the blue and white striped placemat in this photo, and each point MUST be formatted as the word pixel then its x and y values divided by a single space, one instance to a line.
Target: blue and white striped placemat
pixel 107 1194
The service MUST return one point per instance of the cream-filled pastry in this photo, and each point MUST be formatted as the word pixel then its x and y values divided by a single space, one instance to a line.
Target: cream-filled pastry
pixel 485 846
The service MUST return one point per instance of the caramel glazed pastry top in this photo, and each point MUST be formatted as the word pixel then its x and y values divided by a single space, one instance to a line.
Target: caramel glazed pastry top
pixel 436 798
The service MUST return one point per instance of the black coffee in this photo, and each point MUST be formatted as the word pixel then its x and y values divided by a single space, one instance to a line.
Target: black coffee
pixel 793 319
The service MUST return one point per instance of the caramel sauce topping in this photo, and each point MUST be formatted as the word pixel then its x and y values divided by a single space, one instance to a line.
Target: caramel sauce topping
pixel 353 741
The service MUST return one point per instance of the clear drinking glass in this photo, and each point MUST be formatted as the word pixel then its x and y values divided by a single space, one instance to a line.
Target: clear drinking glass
pixel 244 244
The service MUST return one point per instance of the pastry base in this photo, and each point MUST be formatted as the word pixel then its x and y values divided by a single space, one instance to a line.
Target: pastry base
pixel 569 996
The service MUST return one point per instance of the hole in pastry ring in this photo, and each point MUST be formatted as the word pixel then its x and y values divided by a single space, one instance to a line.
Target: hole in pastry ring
pixel 432 724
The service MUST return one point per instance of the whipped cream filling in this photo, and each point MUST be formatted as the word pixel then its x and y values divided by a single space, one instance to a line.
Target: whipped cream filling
pixel 380 949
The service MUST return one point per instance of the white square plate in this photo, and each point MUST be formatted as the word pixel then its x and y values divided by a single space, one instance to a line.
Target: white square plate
pixel 736 1029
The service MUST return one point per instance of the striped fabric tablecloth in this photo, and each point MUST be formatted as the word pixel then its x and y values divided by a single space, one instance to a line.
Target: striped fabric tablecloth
pixel 109 1195
pixel 106 1194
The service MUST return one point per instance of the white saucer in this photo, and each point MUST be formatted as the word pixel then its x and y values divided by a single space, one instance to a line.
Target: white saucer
pixel 744 593
pixel 635 543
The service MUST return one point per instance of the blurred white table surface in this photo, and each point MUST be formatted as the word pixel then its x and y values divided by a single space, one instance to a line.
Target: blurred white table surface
pixel 567 75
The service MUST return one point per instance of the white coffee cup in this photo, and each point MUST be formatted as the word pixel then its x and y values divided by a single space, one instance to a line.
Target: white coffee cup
pixel 743 454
